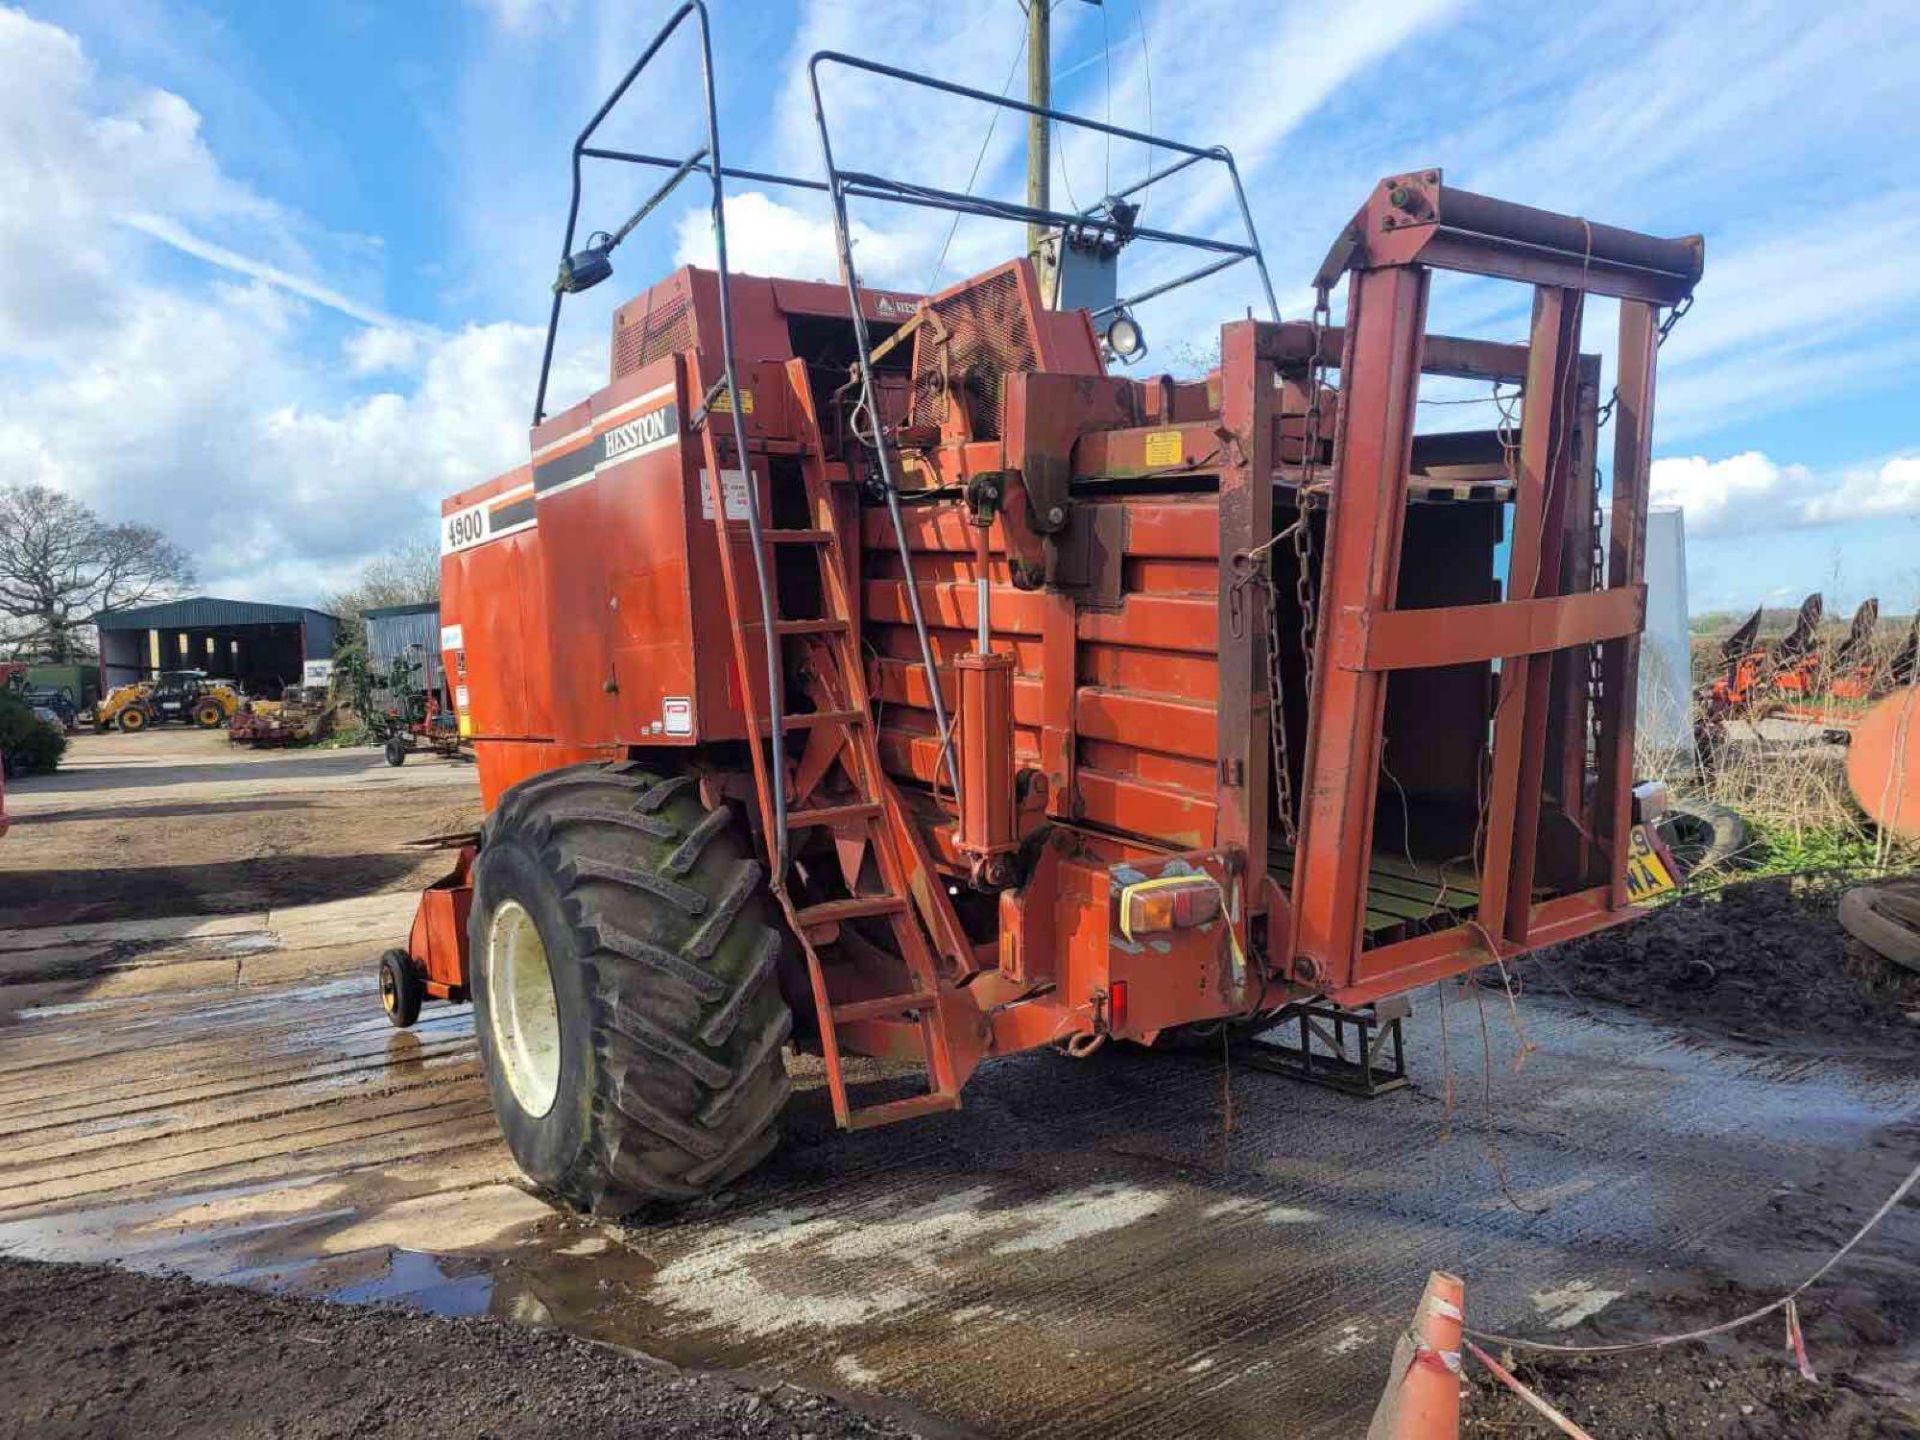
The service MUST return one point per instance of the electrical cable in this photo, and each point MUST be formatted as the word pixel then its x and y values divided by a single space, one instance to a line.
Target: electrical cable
pixel 993 123
pixel 1106 61
pixel 1146 69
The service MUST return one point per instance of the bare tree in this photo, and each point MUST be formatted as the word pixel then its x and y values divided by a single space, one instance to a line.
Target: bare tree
pixel 408 574
pixel 61 564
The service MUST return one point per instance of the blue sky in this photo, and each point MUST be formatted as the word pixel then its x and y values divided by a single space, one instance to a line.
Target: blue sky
pixel 272 276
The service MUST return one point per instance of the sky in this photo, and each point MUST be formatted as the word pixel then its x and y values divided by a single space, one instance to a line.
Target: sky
pixel 273 278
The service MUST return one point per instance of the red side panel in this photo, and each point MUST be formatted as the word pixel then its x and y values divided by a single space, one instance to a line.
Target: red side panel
pixel 493 631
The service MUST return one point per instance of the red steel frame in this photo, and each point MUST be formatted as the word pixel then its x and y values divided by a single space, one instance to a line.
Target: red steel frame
pixel 1128 650
pixel 1410 226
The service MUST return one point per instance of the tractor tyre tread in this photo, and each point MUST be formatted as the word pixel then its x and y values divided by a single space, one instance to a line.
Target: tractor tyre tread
pixel 1720 827
pixel 680 1081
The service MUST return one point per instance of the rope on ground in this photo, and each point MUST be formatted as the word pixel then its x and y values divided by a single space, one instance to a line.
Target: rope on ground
pixel 1785 1302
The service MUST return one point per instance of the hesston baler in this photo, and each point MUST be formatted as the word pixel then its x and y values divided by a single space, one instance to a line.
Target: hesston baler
pixel 879 675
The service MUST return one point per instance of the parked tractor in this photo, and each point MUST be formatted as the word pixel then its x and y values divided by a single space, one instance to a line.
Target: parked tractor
pixel 881 674
pixel 181 696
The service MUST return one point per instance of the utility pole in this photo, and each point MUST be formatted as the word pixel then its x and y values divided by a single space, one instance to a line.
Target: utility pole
pixel 1039 92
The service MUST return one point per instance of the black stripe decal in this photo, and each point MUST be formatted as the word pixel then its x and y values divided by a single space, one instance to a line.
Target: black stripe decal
pixel 567 467
pixel 646 429
pixel 518 513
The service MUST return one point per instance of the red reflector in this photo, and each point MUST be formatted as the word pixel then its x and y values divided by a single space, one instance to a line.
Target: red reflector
pixel 1195 906
pixel 1170 903
pixel 1117 1006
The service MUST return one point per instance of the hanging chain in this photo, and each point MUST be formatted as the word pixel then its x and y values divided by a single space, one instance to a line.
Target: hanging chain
pixel 1301 533
pixel 1596 669
pixel 1309 483
pixel 1684 304
pixel 1276 716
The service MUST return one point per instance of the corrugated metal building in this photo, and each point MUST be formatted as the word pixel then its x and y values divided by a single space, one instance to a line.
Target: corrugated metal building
pixel 263 647
pixel 409 632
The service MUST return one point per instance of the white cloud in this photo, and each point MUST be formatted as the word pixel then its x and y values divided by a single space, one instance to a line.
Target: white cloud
pixel 523 17
pixel 765 237
pixel 1751 492
pixel 381 349
pixel 169 233
pixel 212 402
pixel 1892 488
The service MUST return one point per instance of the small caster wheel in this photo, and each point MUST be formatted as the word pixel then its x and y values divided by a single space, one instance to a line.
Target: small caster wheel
pixel 396 751
pixel 400 989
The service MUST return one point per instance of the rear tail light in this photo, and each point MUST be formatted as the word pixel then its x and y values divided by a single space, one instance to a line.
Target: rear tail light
pixel 1175 902
pixel 1117 1006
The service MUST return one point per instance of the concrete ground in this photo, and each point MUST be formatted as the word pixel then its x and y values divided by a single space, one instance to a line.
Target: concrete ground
pixel 1131 1245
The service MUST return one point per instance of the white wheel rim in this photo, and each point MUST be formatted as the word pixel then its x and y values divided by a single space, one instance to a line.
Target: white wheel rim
pixel 522 1009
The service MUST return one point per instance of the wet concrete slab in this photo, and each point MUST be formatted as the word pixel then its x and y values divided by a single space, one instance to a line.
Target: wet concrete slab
pixel 1131 1245
pixel 1088 1248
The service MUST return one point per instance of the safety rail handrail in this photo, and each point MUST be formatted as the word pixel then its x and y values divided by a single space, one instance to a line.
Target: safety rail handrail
pixel 708 159
pixel 857 184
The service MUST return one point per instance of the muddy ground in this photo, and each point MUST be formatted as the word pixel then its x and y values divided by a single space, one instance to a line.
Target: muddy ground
pixel 179 822
pixel 1763 963
pixel 99 1352
pixel 194 1078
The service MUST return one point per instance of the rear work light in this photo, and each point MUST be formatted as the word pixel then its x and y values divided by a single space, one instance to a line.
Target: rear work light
pixel 1173 902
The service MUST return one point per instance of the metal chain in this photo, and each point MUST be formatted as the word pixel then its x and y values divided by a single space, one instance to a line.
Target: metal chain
pixel 1309 479
pixel 1276 715
pixel 1302 534
pixel 1666 328
pixel 1596 669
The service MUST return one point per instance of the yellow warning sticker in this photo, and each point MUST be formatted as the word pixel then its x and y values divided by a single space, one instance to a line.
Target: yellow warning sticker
pixel 1164 448
pixel 723 404
pixel 1646 875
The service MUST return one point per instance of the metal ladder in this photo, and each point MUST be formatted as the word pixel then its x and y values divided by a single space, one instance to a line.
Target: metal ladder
pixel 846 727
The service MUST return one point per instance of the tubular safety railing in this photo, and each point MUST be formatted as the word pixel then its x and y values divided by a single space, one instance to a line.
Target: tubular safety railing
pixel 708 159
pixel 840 186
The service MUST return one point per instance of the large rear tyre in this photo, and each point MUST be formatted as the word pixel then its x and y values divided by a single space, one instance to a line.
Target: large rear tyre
pixel 209 714
pixel 624 983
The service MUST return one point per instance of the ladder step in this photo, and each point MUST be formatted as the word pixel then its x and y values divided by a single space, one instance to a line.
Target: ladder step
pixel 884 1005
pixel 797 537
pixel 907 1109
pixel 813 718
pixel 808 627
pixel 834 911
pixel 833 815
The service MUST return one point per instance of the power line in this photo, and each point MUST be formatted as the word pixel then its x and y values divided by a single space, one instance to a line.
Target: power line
pixel 1005 89
pixel 1146 67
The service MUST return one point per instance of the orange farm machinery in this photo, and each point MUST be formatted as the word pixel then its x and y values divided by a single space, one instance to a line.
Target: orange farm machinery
pixel 876 674
pixel 1797 678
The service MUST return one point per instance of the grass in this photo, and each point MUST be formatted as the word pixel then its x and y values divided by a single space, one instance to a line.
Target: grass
pixel 345 737
pixel 1789 784
pixel 1841 850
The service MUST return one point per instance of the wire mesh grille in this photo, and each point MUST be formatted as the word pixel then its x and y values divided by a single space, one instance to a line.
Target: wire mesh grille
pixel 988 335
pixel 652 335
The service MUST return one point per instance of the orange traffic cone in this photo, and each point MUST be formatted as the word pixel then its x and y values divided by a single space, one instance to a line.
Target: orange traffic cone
pixel 1422 1398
